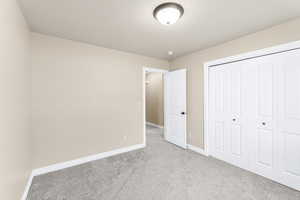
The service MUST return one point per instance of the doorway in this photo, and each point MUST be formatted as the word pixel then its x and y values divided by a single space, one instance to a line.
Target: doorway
pixel 165 104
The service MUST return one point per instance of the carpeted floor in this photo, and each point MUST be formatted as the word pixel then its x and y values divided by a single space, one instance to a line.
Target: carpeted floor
pixel 161 171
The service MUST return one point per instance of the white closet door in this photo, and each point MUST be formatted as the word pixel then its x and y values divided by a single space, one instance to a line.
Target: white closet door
pixel 254 115
pixel 218 110
pixel 260 112
pixel 289 122
pixel 228 138
pixel 236 139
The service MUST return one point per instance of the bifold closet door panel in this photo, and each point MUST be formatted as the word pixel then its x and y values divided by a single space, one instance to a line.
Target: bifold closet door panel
pixel 228 138
pixel 260 111
pixel 237 137
pixel 218 110
pixel 289 118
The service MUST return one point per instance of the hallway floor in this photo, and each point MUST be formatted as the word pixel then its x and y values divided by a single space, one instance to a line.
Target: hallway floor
pixel 161 171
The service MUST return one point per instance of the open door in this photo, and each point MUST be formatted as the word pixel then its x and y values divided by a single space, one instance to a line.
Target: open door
pixel 175 107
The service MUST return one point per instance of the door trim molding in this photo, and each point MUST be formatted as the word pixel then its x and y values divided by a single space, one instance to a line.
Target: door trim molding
pixel 236 58
pixel 197 149
pixel 145 70
pixel 254 54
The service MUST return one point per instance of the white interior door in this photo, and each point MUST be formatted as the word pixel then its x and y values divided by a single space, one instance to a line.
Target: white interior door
pixel 175 107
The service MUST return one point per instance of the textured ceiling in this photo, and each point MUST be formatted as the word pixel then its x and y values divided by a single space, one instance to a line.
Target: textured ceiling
pixel 128 25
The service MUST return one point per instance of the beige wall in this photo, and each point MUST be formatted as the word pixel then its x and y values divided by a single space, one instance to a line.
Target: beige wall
pixel 14 102
pixel 85 99
pixel 276 35
pixel 155 98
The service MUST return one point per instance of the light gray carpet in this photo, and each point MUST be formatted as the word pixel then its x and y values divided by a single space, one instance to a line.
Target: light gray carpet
pixel 161 171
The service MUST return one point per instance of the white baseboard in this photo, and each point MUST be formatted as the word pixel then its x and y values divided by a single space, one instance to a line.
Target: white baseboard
pixel 71 163
pixel 197 149
pixel 27 187
pixel 155 125
pixel 79 161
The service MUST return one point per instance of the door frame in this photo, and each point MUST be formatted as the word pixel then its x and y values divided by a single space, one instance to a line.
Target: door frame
pixel 145 70
pixel 245 56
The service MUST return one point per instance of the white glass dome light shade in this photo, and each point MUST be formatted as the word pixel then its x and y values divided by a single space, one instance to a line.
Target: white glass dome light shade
pixel 168 16
pixel 170 53
pixel 168 13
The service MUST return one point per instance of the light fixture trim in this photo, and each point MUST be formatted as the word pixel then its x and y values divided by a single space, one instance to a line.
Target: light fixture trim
pixel 165 6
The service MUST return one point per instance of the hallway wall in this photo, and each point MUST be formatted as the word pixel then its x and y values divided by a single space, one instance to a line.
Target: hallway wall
pixel 155 98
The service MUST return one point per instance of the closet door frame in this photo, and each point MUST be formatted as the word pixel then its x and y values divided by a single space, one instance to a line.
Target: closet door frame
pixel 226 60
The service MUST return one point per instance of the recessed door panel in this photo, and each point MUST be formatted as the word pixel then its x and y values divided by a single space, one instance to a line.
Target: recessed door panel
pixel 292 92
pixel 292 154
pixel 265 148
pixel 236 140
pixel 265 88
pixel 235 86
pixel 219 90
pixel 219 136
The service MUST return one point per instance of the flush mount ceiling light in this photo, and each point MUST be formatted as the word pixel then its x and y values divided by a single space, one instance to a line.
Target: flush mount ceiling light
pixel 168 13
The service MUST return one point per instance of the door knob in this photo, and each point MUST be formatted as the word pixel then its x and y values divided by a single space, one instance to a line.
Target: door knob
pixel 234 120
pixel 264 123
pixel 183 113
